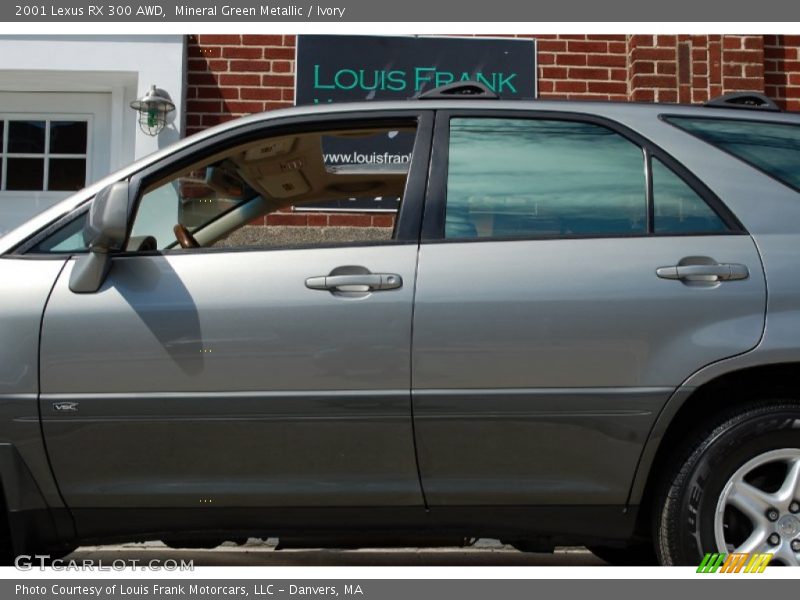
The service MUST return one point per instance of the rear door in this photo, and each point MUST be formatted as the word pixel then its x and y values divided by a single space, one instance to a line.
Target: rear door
pixel 571 276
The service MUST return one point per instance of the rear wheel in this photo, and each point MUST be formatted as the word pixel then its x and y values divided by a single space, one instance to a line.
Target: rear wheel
pixel 737 489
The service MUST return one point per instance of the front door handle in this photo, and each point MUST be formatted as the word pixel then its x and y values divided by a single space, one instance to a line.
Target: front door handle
pixel 723 272
pixel 363 282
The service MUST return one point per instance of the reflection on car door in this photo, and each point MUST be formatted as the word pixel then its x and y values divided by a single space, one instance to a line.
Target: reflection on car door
pixel 546 339
pixel 222 378
pixel 232 378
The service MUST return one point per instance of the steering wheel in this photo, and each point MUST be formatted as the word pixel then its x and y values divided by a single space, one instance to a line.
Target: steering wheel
pixel 184 237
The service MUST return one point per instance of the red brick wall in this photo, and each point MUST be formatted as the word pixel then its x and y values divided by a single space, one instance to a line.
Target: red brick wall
pixel 232 75
pixel 693 68
pixel 782 69
pixel 319 219
pixel 583 66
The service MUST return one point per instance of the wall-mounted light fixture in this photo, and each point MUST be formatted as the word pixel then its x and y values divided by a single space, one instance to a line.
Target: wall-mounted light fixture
pixel 153 109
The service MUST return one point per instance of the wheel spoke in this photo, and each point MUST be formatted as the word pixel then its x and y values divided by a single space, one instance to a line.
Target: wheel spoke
pixel 790 488
pixel 770 514
pixel 751 501
pixel 756 542
pixel 785 554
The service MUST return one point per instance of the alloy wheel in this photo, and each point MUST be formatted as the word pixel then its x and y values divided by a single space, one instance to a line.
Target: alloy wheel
pixel 759 508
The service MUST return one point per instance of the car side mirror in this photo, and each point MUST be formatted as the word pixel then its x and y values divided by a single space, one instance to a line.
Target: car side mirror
pixel 104 233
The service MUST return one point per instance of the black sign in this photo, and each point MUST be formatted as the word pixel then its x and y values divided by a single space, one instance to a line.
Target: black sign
pixel 335 68
pixel 347 68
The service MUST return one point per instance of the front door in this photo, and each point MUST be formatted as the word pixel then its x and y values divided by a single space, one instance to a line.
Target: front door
pixel 560 301
pixel 268 367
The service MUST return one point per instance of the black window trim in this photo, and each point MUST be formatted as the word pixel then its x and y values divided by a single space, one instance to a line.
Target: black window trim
pixel 24 249
pixel 648 182
pixel 666 118
pixel 436 196
pixel 409 216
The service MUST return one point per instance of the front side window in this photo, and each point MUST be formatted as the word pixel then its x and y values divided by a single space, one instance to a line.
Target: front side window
pixel 542 178
pixel 771 147
pixel 291 190
pixel 68 239
pixel 325 187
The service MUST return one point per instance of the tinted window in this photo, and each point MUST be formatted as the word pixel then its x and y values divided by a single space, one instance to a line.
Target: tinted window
pixel 542 178
pixel 68 239
pixel 275 192
pixel 283 191
pixel 772 147
pixel 678 208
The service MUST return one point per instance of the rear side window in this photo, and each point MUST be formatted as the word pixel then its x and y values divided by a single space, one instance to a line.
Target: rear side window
pixel 771 147
pixel 677 207
pixel 542 178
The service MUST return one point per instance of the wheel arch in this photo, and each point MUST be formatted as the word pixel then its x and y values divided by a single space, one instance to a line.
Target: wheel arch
pixel 32 524
pixel 689 407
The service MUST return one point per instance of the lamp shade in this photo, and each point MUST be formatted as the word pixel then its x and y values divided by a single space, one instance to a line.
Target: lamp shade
pixel 153 109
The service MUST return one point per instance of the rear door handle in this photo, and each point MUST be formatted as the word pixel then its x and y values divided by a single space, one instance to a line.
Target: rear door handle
pixel 723 272
pixel 371 281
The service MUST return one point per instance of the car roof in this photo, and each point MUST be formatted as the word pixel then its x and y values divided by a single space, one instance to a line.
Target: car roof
pixel 618 110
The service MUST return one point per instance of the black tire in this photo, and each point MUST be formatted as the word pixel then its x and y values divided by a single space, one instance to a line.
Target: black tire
pixel 61 552
pixel 638 555
pixel 684 520
pixel 7 555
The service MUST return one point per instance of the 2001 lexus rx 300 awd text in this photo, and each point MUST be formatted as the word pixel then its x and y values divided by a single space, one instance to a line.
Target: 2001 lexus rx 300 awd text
pixel 547 322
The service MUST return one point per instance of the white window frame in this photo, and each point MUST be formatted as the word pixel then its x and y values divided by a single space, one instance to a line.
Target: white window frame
pixel 46 155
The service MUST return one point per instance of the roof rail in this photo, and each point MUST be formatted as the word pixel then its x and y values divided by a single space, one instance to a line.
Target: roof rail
pixel 745 100
pixel 459 89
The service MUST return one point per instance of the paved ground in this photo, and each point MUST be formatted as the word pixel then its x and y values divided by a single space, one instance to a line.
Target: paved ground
pixel 258 552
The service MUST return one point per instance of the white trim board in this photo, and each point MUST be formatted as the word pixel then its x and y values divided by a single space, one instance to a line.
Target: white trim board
pixel 124 65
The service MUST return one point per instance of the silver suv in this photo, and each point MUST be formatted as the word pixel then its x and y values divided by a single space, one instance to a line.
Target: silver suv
pixel 547 322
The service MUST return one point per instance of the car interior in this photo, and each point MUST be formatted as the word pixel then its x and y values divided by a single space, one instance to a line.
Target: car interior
pixel 207 202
